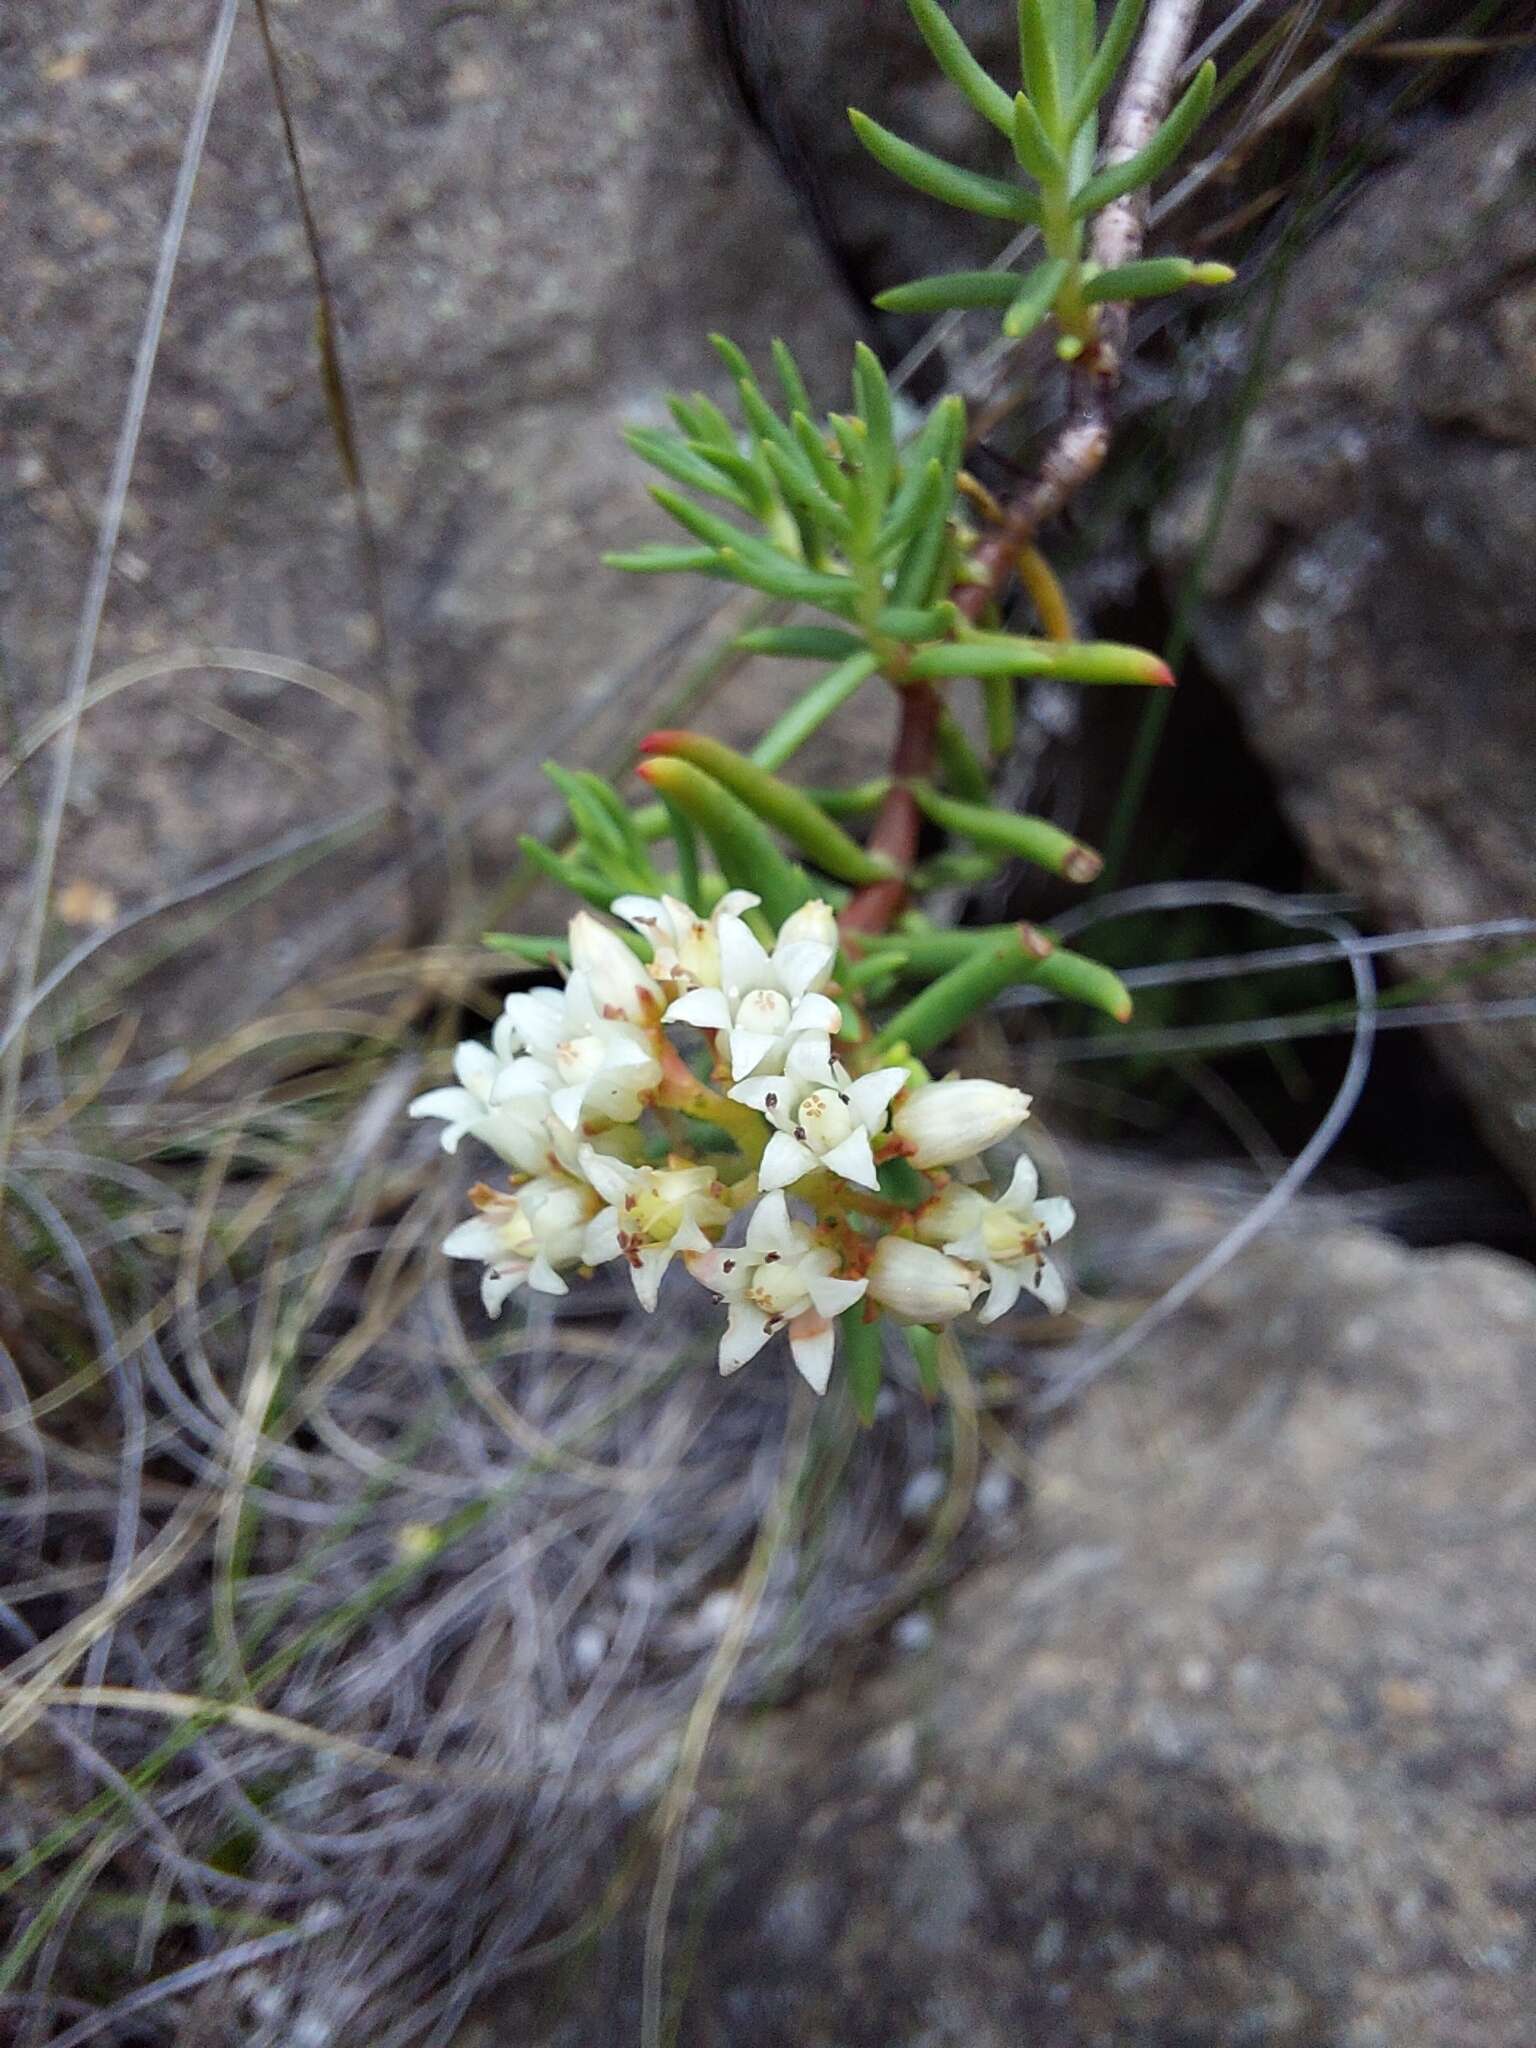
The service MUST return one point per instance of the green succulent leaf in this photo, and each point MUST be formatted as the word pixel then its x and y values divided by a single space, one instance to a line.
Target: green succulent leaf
pixel 734 360
pixel 924 1347
pixel 963 772
pixel 743 845
pixel 1150 162
pixel 1035 297
pixel 873 396
pixel 674 458
pixel 1040 61
pixel 1072 661
pixel 776 575
pixel 796 397
pixel 803 494
pixel 656 560
pixel 996 198
pixel 1031 145
pixel 812 444
pixel 1106 61
pixel 862 1351
pixel 814 707
pixel 940 1010
pixel 568 873
pixel 1153 277
pixel 1000 705
pixel 787 809
pixel 1031 839
pixel 950 291
pixel 530 946
pixel 911 622
pixel 954 59
pixel 702 420
pixel 800 643
pixel 685 844
pixel 923 500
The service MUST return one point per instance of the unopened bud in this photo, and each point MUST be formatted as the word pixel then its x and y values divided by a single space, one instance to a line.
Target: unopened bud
pixel 950 1120
pixel 620 985
pixel 813 922
pixel 924 1285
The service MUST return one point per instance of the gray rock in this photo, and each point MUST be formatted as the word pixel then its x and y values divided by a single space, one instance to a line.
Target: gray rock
pixel 533 213
pixel 1368 600
pixel 1260 1767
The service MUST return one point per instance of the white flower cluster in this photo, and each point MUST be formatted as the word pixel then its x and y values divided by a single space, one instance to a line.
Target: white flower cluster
pixel 583 1095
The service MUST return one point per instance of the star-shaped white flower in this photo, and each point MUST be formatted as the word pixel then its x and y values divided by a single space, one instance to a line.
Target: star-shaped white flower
pixel 1008 1237
pixel 653 1213
pixel 524 1237
pixel 781 1278
pixel 764 1001
pixel 821 1118
pixel 685 948
pixel 515 1125
pixel 589 1064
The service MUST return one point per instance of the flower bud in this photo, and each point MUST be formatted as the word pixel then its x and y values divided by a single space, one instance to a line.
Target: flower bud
pixel 950 1120
pixel 813 923
pixel 919 1283
pixel 619 985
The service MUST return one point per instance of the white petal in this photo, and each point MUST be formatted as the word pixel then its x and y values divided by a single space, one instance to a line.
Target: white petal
pixel 611 1177
pixel 1049 1287
pixel 831 1297
pixel 495 1287
pixel 746 1332
pixel 600 1239
pixel 639 911
pixel 873 1094
pixel 785 1161
pixel 626 1052
pixel 647 1277
pixel 812 1342
pixel 816 1013
pixel 810 1059
pixel 1024 1186
pixel 1002 1294
pixel 853 1160
pixel 735 901
pixel 801 964
pixel 705 1008
pixel 476 1066
pixel 688 1237
pixel 537 1016
pixel 770 1228
pixel 520 1080
pixel 756 1091
pixel 455 1105
pixel 476 1239
pixel 1058 1216
pixel 743 963
pixel 724 1272
pixel 748 1051
pixel 542 1275
pixel 567 1105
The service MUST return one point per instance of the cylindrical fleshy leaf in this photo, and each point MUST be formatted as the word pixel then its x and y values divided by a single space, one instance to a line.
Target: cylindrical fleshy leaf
pixel 747 854
pixel 1034 839
pixel 786 808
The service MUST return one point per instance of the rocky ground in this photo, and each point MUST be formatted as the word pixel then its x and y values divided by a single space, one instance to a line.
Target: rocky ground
pixel 1238 1745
